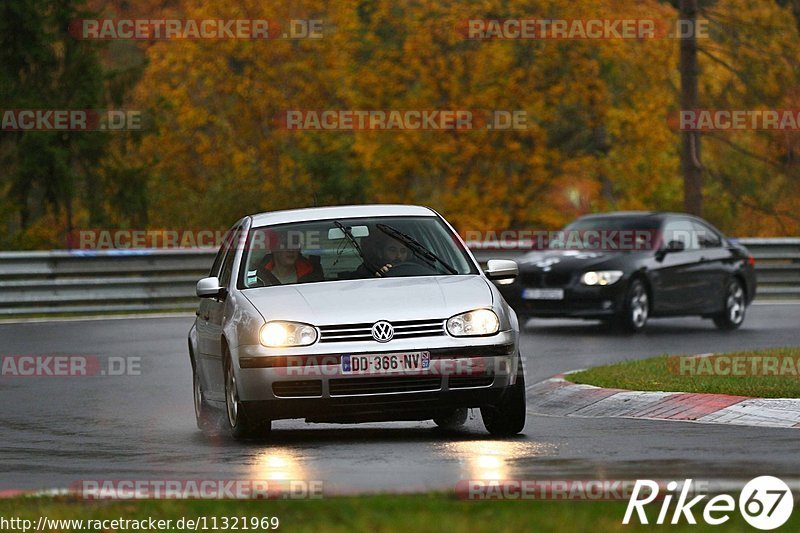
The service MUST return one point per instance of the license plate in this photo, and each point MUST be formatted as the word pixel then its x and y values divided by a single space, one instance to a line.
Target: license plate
pixel 543 294
pixel 385 363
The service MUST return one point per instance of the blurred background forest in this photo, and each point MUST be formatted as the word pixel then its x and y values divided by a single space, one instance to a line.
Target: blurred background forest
pixel 597 136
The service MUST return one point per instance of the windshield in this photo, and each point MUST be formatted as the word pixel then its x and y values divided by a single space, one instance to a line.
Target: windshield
pixel 608 234
pixel 355 248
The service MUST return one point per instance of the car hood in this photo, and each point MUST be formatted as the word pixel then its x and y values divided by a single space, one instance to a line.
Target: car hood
pixel 368 300
pixel 566 260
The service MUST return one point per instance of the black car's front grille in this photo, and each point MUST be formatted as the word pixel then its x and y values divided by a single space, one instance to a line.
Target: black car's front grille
pixel 557 279
pixel 464 382
pixel 539 279
pixel 296 389
pixel 531 279
pixel 384 385
pixel 363 332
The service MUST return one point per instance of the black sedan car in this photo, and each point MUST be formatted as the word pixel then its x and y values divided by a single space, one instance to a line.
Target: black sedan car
pixel 627 267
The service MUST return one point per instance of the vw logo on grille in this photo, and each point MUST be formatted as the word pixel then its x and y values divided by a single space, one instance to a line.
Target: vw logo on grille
pixel 382 331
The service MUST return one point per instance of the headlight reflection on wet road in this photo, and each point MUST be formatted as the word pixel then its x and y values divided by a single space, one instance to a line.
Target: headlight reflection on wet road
pixel 493 459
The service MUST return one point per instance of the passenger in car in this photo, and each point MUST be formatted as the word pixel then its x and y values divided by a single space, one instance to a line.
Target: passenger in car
pixel 285 265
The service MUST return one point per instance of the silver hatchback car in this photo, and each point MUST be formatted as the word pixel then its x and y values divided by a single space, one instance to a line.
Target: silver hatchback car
pixel 353 314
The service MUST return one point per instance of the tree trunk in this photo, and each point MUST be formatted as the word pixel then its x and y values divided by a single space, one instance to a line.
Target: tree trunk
pixel 690 140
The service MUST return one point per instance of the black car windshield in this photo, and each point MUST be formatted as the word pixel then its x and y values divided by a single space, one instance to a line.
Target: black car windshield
pixel 355 248
pixel 617 233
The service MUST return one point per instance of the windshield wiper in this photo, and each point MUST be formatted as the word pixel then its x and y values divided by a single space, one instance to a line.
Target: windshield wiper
pixel 354 242
pixel 416 247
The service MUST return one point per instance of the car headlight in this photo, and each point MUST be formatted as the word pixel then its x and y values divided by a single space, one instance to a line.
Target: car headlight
pixel 477 322
pixel 278 334
pixel 601 277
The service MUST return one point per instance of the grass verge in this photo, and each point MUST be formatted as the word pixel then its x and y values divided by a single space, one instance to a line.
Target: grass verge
pixel 424 512
pixel 770 373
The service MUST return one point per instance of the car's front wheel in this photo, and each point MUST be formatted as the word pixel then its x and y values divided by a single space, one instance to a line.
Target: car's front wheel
pixel 207 419
pixel 507 416
pixel 636 308
pixel 452 419
pixel 732 315
pixel 241 422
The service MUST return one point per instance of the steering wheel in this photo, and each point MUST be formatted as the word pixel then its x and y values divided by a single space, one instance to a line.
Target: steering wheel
pixel 408 268
pixel 264 281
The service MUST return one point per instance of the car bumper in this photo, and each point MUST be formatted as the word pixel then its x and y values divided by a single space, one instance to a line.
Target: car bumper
pixel 379 408
pixel 578 302
pixel 313 385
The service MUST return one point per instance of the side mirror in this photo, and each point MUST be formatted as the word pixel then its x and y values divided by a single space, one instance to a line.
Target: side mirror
pixel 670 248
pixel 501 269
pixel 675 246
pixel 209 287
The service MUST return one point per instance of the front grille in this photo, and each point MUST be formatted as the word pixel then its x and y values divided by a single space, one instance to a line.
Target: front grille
pixel 463 382
pixel 531 279
pixel 538 279
pixel 295 389
pixel 383 385
pixel 363 332
pixel 557 279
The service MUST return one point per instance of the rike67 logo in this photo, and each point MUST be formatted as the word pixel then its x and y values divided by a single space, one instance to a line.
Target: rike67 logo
pixel 765 503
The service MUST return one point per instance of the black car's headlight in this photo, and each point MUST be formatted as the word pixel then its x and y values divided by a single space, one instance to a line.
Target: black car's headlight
pixel 601 277
pixel 473 323
pixel 277 334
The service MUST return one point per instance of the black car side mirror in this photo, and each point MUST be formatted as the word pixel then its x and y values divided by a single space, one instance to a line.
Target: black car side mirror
pixel 670 248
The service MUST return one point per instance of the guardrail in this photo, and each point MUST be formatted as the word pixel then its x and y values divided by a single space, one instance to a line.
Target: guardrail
pixel 99 282
pixel 88 282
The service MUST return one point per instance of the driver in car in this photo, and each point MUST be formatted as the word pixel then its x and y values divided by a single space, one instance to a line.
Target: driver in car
pixel 392 253
pixel 381 250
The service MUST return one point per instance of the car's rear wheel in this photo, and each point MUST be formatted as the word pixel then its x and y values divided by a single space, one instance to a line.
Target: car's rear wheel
pixel 207 418
pixel 734 308
pixel 452 419
pixel 241 422
pixel 507 416
pixel 636 309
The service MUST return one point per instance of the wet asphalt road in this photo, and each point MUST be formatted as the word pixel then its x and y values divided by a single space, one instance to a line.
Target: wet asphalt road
pixel 55 431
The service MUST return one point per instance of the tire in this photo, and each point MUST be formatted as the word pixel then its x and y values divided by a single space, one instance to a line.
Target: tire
pixel 208 420
pixel 453 419
pixel 239 419
pixel 507 417
pixel 735 307
pixel 636 308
